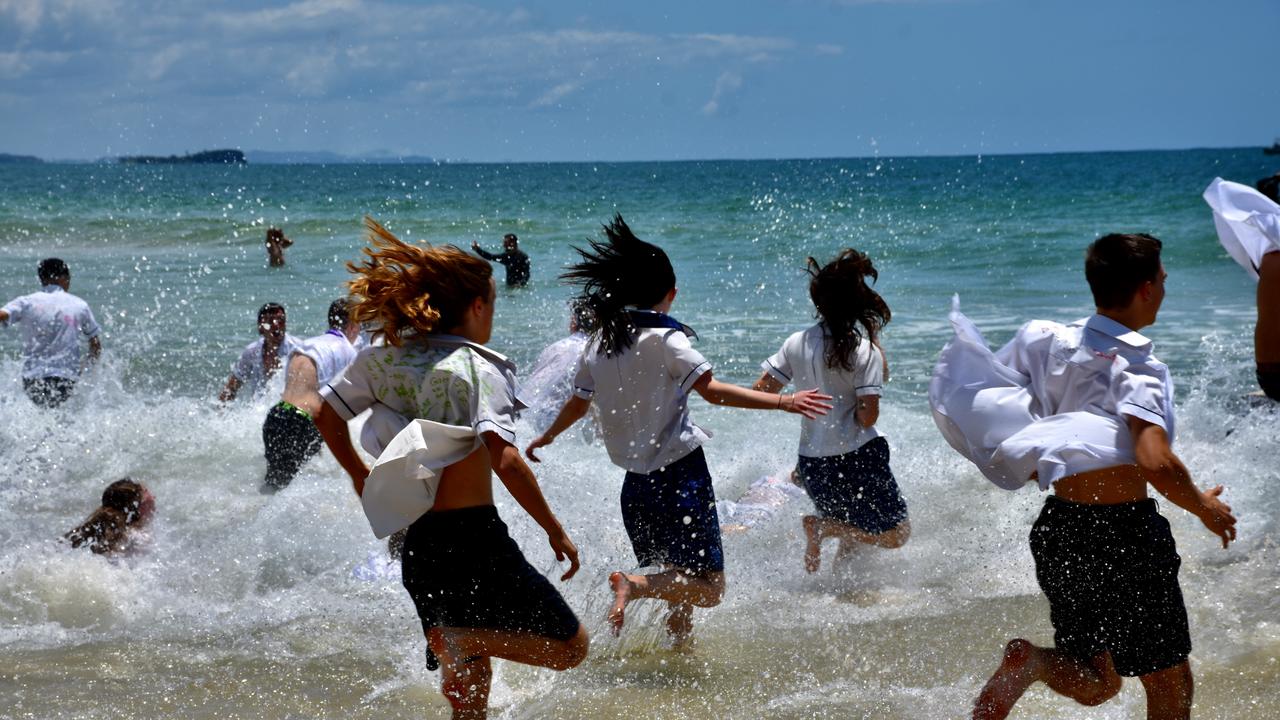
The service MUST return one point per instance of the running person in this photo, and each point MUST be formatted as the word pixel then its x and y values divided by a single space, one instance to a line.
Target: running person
pixel 476 595
pixel 639 369
pixel 289 437
pixel 844 460
pixel 52 321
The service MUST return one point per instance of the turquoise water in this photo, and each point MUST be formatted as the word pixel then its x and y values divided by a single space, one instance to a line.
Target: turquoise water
pixel 245 605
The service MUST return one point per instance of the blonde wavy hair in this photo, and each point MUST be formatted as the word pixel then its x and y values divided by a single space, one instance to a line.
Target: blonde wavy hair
pixel 401 288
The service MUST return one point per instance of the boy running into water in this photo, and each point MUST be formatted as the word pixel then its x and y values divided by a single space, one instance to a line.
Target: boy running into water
pixel 844 460
pixel 639 369
pixel 1104 555
pixel 477 596
pixel 289 436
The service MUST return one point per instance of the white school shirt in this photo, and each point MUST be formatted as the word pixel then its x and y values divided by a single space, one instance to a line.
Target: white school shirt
pixel 802 361
pixel 1247 221
pixel 642 395
pixel 1052 401
pixel 442 378
pixel 550 383
pixel 248 369
pixel 331 352
pixel 52 322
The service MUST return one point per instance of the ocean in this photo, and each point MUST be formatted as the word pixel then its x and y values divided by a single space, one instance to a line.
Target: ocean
pixel 245 605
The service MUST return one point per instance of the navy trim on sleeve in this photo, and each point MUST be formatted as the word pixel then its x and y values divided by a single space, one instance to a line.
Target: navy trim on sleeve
pixel 334 393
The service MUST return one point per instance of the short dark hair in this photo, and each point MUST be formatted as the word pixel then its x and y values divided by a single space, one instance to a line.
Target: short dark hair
pixel 1116 265
pixel 268 309
pixel 510 236
pixel 339 311
pixel 52 270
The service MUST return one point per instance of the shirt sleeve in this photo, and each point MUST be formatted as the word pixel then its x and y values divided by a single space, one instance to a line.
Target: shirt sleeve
pixel 684 363
pixel 584 386
pixel 88 325
pixel 243 368
pixel 15 308
pixel 1140 392
pixel 871 374
pixel 778 365
pixel 494 403
pixel 351 391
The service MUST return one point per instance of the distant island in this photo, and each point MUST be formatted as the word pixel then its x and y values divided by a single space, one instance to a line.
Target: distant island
pixel 207 157
pixel 324 157
pixel 7 159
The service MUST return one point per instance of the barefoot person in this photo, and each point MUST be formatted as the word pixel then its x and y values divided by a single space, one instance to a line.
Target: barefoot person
pixel 1087 409
pixel 261 358
pixel 844 460
pixel 639 370
pixel 477 596
pixel 289 436
pixel 52 322
pixel 512 257
pixel 116 526
pixel 1248 223
pixel 276 243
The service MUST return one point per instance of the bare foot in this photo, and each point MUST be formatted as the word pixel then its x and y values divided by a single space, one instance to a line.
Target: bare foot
pixel 1018 669
pixel 813 544
pixel 680 625
pixel 621 586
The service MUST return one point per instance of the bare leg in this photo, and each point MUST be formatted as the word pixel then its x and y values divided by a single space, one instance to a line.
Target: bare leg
pixel 675 586
pixel 679 623
pixel 1091 682
pixel 817 529
pixel 812 543
pixel 521 647
pixel 1169 693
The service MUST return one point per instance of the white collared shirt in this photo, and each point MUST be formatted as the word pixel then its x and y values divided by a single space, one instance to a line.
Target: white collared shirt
pixel 1247 221
pixel 802 361
pixel 642 395
pixel 248 368
pixel 332 352
pixel 442 378
pixel 52 322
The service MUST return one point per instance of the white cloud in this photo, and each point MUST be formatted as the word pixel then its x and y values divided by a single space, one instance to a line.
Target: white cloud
pixel 555 94
pixel 26 14
pixel 726 84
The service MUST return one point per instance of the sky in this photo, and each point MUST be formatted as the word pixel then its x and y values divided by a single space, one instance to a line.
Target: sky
pixel 597 81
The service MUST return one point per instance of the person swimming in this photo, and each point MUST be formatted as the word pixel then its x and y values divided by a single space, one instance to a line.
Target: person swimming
pixel 112 529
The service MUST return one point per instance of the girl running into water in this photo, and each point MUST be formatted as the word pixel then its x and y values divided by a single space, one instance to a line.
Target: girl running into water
pixel 844 460
pixel 476 595
pixel 639 368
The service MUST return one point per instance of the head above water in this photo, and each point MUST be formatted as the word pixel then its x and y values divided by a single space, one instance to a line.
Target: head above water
pixel 125 504
pixel 402 289
pixel 510 241
pixel 843 301
pixel 53 271
pixel 619 273
pixel 339 313
pixel 1125 275
pixel 271 321
pixel 131 498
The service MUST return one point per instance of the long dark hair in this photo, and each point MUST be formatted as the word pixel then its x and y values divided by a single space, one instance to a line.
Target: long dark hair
pixel 843 301
pixel 621 271
pixel 106 528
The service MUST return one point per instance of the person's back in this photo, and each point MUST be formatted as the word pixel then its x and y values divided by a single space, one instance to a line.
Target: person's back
pixel 52 321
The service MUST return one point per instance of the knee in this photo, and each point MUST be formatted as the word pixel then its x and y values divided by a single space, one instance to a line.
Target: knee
pixel 897 537
pixel 1108 688
pixel 714 591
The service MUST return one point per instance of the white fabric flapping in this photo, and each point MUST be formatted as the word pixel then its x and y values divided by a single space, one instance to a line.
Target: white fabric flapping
pixel 402 483
pixel 1248 222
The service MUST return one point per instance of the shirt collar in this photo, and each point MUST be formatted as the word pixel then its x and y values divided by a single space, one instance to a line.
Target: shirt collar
pixel 52 288
pixel 1111 328
pixel 493 356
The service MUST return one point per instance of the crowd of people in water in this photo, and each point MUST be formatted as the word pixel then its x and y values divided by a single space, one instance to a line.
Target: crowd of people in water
pixel 1082 408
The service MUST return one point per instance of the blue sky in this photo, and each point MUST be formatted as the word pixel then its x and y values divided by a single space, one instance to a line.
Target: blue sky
pixel 493 81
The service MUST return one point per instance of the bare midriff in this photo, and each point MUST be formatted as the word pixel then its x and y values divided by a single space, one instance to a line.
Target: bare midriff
pixel 1108 486
pixel 1266 336
pixel 466 483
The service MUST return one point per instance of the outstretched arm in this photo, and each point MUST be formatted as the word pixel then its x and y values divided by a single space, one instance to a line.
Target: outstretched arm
pixel 1170 477
pixel 573 410
pixel 337 436
pixel 809 403
pixel 230 389
pixel 523 486
pixel 482 252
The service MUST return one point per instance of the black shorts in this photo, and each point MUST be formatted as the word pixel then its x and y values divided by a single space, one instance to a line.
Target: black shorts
pixel 463 570
pixel 1269 379
pixel 670 516
pixel 1111 575
pixel 290 439
pixel 856 488
pixel 48 392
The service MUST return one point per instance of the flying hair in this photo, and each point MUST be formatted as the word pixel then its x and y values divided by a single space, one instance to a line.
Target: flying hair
pixel 843 301
pixel 619 272
pixel 401 289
